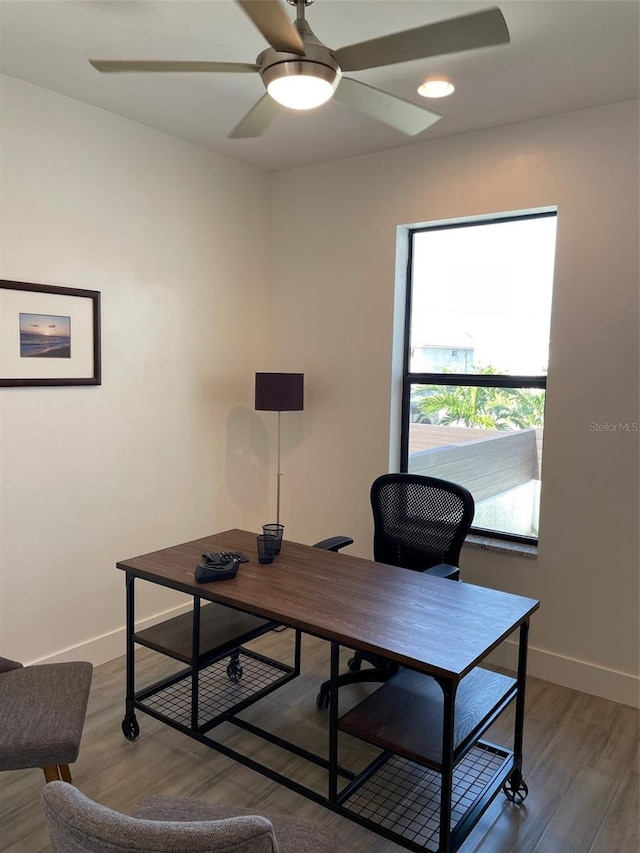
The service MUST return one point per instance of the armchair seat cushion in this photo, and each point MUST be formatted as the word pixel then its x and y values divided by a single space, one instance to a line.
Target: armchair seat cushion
pixel 42 711
pixel 294 835
pixel 173 825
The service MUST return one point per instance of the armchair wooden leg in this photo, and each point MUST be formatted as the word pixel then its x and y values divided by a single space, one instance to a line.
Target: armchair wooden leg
pixel 54 773
pixel 51 773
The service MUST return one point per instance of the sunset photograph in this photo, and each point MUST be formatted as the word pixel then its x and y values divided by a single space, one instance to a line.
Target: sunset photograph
pixel 45 336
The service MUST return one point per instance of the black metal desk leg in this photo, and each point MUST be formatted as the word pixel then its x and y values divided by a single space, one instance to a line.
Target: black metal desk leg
pixel 195 668
pixel 448 729
pixel 130 727
pixel 514 786
pixel 297 652
pixel 333 723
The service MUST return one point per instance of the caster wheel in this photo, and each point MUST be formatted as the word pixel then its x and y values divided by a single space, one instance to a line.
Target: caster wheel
pixel 517 793
pixel 234 672
pixel 354 664
pixel 130 728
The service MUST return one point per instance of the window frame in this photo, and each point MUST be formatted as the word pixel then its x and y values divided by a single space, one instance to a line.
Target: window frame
pixel 409 379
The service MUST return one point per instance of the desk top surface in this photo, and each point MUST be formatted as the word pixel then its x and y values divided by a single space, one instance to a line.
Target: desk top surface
pixel 429 624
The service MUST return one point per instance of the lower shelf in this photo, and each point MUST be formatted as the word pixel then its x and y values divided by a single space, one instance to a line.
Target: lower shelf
pixel 405 715
pixel 403 797
pixel 218 695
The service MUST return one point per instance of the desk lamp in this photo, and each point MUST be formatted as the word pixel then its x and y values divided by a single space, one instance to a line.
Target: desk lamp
pixel 279 392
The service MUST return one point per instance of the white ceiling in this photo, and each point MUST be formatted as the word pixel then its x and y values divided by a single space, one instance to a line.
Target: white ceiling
pixel 564 55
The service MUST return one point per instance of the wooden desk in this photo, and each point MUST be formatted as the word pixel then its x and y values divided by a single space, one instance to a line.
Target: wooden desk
pixel 428 625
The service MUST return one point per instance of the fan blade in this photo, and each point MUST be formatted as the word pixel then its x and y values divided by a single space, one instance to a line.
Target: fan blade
pixel 111 66
pixel 271 18
pixel 257 120
pixel 479 29
pixel 396 112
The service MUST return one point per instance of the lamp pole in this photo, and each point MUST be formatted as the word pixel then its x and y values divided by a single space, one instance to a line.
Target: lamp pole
pixel 279 476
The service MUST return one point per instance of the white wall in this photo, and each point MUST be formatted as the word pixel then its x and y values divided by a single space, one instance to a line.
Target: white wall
pixel 333 280
pixel 167 448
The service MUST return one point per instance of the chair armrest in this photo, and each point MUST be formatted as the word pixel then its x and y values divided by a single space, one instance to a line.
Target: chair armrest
pixel 334 543
pixel 444 570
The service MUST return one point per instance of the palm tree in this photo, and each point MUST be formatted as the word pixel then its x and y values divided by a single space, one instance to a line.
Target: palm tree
pixel 485 407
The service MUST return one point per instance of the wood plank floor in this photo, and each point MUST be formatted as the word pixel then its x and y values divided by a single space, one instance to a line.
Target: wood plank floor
pixel 581 765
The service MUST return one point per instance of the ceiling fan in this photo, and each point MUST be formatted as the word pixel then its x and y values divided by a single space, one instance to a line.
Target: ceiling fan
pixel 300 72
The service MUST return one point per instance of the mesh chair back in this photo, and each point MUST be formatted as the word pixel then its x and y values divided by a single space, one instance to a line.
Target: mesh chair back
pixel 419 521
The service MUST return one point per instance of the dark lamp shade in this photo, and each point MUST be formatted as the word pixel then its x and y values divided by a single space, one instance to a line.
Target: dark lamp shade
pixel 279 392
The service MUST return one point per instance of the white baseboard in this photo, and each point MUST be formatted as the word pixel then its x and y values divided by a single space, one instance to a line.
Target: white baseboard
pixel 577 674
pixel 112 645
pixel 568 672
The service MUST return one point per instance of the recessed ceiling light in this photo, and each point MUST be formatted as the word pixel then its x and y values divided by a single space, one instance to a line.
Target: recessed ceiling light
pixel 436 88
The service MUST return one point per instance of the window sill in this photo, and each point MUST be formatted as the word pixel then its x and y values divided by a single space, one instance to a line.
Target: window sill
pixel 518 549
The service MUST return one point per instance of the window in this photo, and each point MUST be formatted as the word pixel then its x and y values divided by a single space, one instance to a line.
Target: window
pixel 475 366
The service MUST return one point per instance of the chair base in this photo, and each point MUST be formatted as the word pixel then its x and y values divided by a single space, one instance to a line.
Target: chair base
pixel 354 677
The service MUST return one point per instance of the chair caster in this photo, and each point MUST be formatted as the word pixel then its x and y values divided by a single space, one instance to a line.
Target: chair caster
pixel 354 664
pixel 322 700
pixel 515 789
pixel 130 728
pixel 234 672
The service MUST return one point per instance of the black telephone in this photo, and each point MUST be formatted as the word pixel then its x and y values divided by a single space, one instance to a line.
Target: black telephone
pixel 218 567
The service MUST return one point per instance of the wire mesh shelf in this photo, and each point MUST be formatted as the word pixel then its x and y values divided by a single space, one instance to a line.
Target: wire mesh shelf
pixel 404 797
pixel 218 694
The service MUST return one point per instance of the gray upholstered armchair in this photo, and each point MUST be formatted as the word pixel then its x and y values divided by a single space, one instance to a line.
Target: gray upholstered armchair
pixel 42 711
pixel 173 825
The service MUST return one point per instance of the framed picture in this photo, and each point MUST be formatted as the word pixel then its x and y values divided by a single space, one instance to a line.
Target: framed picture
pixel 48 335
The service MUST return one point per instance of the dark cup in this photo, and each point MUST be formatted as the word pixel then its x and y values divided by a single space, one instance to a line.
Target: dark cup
pixel 274 530
pixel 266 548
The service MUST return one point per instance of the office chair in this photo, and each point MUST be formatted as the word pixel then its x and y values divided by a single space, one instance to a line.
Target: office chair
pixel 76 824
pixel 42 711
pixel 420 524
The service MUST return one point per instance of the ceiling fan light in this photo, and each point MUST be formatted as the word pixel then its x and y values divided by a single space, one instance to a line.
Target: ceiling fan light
pixel 436 88
pixel 300 93
pixel 301 85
